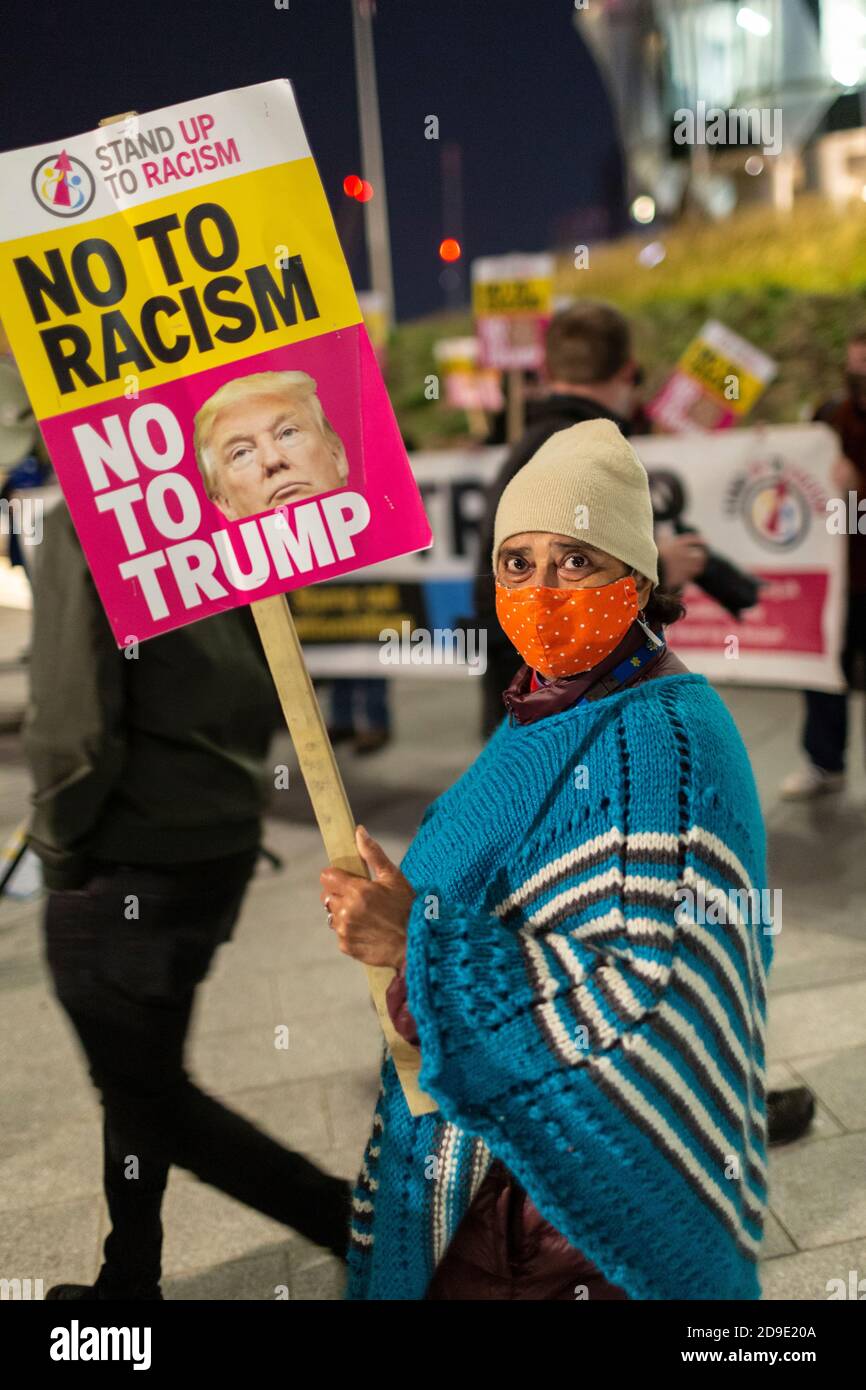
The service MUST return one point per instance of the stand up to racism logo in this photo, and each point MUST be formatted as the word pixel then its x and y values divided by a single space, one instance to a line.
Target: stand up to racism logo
pixel 63 185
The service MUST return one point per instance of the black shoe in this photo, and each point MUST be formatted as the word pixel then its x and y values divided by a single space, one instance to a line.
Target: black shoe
pixel 340 734
pixel 370 741
pixel 789 1114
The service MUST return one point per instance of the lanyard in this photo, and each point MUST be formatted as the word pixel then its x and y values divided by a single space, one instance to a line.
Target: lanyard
pixel 626 671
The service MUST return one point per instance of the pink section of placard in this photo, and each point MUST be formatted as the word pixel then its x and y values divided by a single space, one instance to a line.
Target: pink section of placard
pixel 512 343
pixel 677 407
pixel 355 402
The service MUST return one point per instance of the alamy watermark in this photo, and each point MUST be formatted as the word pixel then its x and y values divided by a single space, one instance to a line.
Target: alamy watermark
pixel 22 516
pixel 78 1343
pixel 23 1289
pixel 854 1288
pixel 719 906
pixel 846 516
pixel 717 125
pixel 443 646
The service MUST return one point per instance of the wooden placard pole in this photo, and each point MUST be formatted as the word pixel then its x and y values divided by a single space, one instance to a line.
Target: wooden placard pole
pixel 330 804
pixel 516 405
pixel 478 426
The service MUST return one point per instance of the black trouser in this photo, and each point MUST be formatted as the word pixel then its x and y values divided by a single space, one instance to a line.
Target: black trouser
pixel 126 953
pixel 825 735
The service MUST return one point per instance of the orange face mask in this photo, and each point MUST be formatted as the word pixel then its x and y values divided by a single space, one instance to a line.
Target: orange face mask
pixel 560 632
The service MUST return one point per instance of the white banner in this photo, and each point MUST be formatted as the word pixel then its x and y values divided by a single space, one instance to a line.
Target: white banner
pixel 757 496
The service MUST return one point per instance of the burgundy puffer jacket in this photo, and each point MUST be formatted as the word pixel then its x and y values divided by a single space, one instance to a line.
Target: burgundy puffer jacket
pixel 503 1247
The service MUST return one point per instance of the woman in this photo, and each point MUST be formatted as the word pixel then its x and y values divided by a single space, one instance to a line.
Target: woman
pixel 587 994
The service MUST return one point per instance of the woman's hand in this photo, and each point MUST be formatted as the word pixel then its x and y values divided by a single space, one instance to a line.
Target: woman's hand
pixel 370 916
pixel 683 558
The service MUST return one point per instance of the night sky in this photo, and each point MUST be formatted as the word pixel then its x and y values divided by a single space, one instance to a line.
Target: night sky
pixel 510 80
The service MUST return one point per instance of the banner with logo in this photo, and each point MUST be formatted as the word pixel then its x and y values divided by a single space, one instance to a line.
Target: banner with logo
pixel 758 497
pixel 512 301
pixel 177 301
pixel 714 385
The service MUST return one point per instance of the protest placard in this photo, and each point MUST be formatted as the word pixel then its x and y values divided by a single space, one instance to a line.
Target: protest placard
pixel 171 285
pixel 468 386
pixel 512 301
pixel 178 303
pixel 715 383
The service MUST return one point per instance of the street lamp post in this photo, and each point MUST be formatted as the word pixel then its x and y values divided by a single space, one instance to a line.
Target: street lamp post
pixel 376 208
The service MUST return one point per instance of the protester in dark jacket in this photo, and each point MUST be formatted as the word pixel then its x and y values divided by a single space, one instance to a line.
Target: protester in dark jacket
pixel 825 733
pixel 150 782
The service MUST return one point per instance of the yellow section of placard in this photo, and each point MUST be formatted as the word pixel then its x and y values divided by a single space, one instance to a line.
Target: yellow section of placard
pixel 198 279
pixel 512 297
pixel 719 374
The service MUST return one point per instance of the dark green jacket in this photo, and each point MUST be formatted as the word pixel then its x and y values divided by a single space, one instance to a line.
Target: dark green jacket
pixel 151 759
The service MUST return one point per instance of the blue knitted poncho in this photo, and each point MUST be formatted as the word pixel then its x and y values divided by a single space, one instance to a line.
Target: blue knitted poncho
pixel 582 1017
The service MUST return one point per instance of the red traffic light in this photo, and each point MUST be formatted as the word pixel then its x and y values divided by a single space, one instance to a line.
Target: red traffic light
pixel 450 249
pixel 356 187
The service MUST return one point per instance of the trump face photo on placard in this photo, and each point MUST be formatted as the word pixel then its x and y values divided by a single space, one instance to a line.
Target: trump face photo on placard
pixel 264 440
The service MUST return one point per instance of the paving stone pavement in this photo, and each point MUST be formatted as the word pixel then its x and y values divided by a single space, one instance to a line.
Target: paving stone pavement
pixel 317 1095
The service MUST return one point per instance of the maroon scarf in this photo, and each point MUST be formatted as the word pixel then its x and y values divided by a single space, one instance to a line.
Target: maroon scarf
pixel 528 699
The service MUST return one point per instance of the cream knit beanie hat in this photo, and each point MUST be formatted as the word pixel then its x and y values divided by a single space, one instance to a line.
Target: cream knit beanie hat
pixel 586 482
